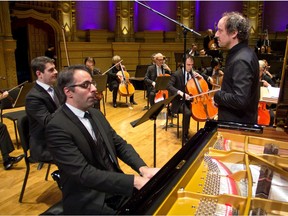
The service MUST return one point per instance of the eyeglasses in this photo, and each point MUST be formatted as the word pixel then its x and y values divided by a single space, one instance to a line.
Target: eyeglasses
pixel 84 85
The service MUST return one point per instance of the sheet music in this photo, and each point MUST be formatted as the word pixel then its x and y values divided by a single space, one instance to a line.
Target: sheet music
pixel 269 94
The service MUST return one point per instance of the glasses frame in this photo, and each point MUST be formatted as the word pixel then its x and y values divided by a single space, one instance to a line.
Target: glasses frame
pixel 84 85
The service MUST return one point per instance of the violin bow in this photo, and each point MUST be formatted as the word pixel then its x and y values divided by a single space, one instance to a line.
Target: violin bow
pixel 65 45
pixel 112 67
pixel 204 93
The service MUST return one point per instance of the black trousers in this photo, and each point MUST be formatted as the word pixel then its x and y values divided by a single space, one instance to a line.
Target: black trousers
pixel 6 144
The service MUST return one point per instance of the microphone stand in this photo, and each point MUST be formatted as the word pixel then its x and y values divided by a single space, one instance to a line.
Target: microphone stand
pixel 185 30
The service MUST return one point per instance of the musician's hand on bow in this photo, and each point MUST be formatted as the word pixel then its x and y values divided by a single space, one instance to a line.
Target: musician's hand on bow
pixel 154 84
pixel 4 95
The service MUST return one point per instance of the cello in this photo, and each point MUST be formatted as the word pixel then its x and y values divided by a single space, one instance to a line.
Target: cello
pixel 202 107
pixel 126 88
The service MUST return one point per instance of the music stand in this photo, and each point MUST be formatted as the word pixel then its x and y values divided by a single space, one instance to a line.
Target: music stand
pixel 152 114
pixel 101 81
pixel 21 97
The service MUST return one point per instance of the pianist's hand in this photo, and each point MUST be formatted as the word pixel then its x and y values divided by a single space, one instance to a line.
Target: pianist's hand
pixel 148 172
pixel 140 181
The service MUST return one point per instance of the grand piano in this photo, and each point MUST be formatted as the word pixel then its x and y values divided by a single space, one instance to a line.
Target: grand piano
pixel 225 169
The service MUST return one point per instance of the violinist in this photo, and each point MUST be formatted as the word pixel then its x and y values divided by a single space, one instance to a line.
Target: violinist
pixel 266 81
pixel 176 85
pixel 209 40
pixel 157 69
pixel 238 98
pixel 6 145
pixel 90 63
pixel 114 78
pixel 213 75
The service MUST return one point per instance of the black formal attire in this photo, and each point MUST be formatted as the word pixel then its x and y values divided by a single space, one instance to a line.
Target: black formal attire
pixel 239 95
pixel 6 145
pixel 88 181
pixel 260 43
pixel 39 108
pixel 150 77
pixel 193 52
pixel 176 83
pixel 268 79
pixel 113 84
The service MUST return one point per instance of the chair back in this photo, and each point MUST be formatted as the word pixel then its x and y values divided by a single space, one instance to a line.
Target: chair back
pixel 101 81
pixel 23 129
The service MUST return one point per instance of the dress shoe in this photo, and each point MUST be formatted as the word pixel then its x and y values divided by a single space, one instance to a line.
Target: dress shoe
pixel 114 105
pixel 133 102
pixel 12 160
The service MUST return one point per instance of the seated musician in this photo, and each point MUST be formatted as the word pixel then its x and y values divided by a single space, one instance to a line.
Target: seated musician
pixel 153 71
pixel 266 81
pixel 193 51
pixel 213 74
pixel 176 86
pixel 90 63
pixel 209 39
pixel 114 79
pixel 6 144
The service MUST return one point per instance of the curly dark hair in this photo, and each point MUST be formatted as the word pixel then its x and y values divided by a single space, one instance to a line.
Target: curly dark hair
pixel 237 22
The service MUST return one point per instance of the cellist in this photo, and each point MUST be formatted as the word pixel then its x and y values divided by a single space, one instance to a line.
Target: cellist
pixel 113 80
pixel 176 85
pixel 154 70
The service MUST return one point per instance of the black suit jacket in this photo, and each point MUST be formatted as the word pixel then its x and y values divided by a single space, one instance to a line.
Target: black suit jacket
pixel 39 108
pixel 239 95
pixel 176 83
pixel 151 76
pixel 86 183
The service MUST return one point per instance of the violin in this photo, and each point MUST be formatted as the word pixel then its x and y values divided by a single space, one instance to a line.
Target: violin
pixel 202 107
pixel 126 88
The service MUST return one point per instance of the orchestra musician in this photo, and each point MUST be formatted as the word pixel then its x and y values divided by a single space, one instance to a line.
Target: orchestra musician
pixel 177 85
pixel 193 51
pixel 266 81
pixel 209 40
pixel 6 145
pixel 114 79
pixel 213 74
pixel 90 63
pixel 41 103
pixel 238 98
pixel 157 69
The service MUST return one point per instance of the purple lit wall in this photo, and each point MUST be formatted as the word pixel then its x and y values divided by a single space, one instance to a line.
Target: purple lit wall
pixel 95 15
pixel 275 16
pixel 209 12
pixel 146 19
